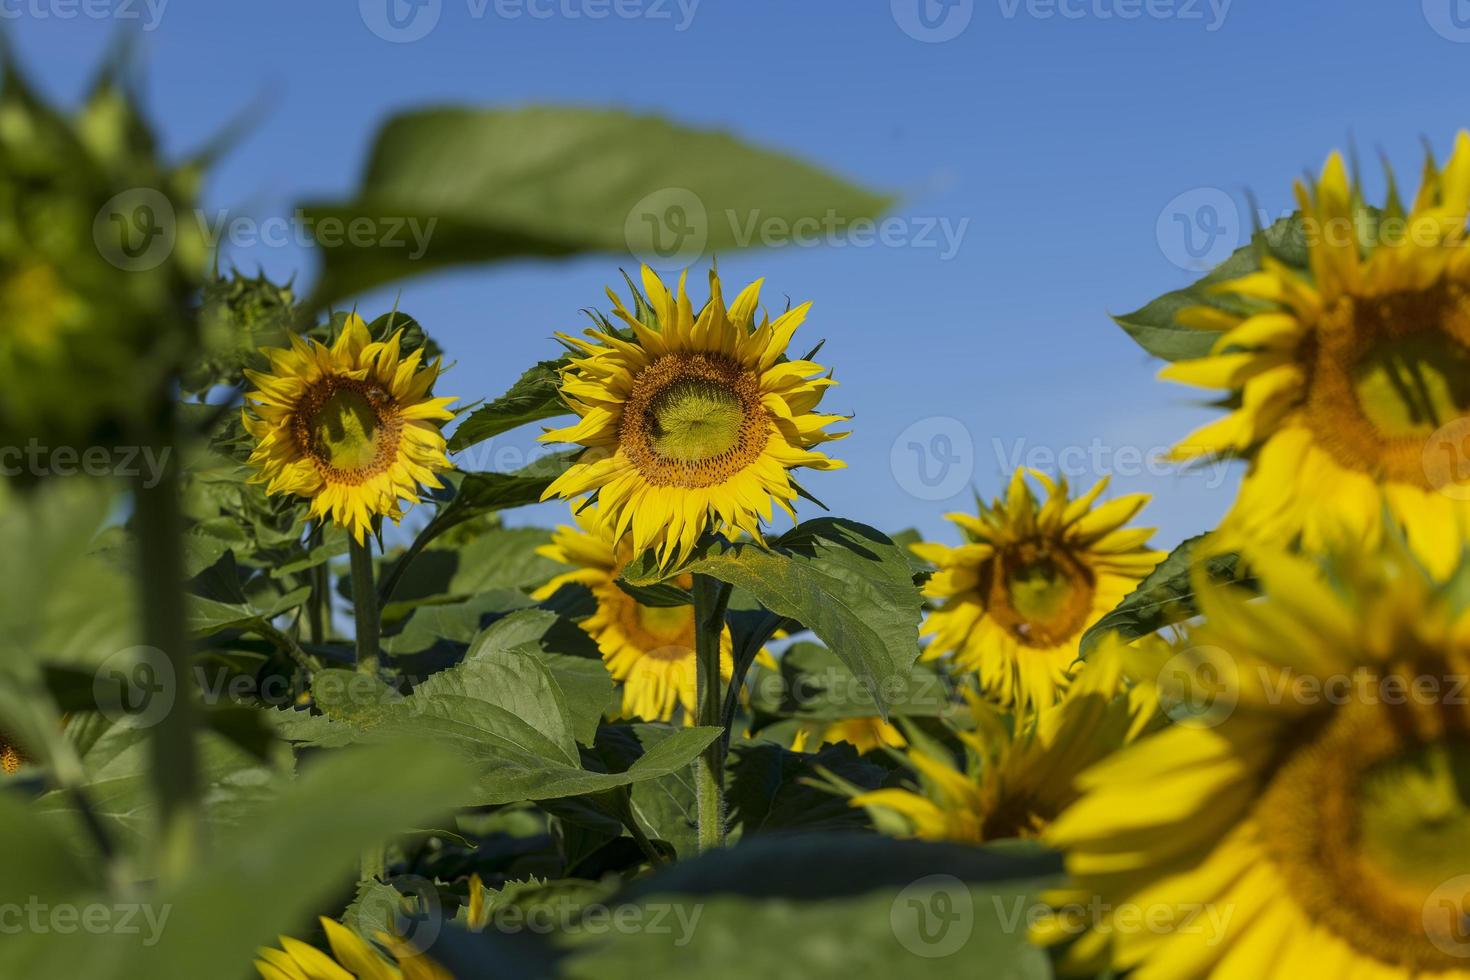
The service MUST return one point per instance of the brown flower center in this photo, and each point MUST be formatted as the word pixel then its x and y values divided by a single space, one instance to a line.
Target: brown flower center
pixel 693 420
pixel 1040 593
pixel 349 427
pixel 1385 373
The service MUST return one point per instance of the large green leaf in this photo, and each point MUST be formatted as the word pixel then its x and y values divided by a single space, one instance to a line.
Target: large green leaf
pixel 1165 597
pixel 812 684
pixel 846 582
pixel 1156 328
pixel 459 185
pixel 536 395
pixel 261 880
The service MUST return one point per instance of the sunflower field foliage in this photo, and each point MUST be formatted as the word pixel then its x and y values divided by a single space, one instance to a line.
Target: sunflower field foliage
pixel 300 702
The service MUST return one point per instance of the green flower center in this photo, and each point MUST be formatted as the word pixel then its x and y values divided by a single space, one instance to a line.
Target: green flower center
pixel 350 428
pixel 694 420
pixel 1416 814
pixel 1411 387
pixel 667 623
pixel 1042 595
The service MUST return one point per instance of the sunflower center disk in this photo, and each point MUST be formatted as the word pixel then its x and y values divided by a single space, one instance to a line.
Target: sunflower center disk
pixel 350 430
pixel 1388 373
pixel 1370 829
pixel 695 420
pixel 32 304
pixel 1042 598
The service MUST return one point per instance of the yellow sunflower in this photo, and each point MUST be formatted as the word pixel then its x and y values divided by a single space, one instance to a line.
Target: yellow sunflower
pixel 649 649
pixel 352 959
pixel 1322 827
pixel 1030 579
pixel 863 734
pixel 353 426
pixel 10 757
pixel 1349 387
pixel 692 422
pixel 1017 776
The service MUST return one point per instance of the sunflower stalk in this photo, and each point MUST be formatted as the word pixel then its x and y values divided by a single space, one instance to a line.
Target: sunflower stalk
pixel 711 597
pixel 366 613
pixel 174 753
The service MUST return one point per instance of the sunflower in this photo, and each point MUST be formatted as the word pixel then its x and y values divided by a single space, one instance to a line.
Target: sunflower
pixel 1321 828
pixel 690 423
pixel 863 734
pixel 10 757
pixel 352 959
pixel 1349 386
pixel 649 649
pixel 352 426
pixel 1016 597
pixel 1017 777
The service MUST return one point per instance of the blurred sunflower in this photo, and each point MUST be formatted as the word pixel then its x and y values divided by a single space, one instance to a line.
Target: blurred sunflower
pixel 649 649
pixel 1336 384
pixel 352 958
pixel 1014 600
pixel 1017 776
pixel 353 427
pixel 1324 823
pixel 694 422
pixel 10 757
pixel 863 734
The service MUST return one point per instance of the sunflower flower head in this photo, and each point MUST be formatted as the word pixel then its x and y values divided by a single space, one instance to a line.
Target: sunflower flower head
pixel 1348 383
pixel 864 734
pixel 690 422
pixel 647 649
pixel 352 958
pixel 1324 822
pixel 1013 601
pixel 10 757
pixel 352 427
pixel 1018 774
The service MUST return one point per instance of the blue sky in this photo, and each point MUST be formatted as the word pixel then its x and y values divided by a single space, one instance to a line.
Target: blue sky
pixel 1067 145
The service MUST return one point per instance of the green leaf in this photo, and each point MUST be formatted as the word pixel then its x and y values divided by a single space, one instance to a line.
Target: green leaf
pixel 846 582
pixel 1165 597
pixel 224 598
pixel 459 185
pixel 814 685
pixel 533 397
pixel 1155 327
pixel 499 559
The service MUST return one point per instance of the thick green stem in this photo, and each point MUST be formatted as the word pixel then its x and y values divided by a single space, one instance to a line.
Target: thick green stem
pixel 711 596
pixel 365 612
pixel 364 607
pixel 174 768
pixel 321 582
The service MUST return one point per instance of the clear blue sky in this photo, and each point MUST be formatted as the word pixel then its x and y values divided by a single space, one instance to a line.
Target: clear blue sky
pixel 1059 141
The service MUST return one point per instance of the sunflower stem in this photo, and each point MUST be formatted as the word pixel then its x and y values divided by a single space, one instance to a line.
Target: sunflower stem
pixel 711 597
pixel 174 768
pixel 364 606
